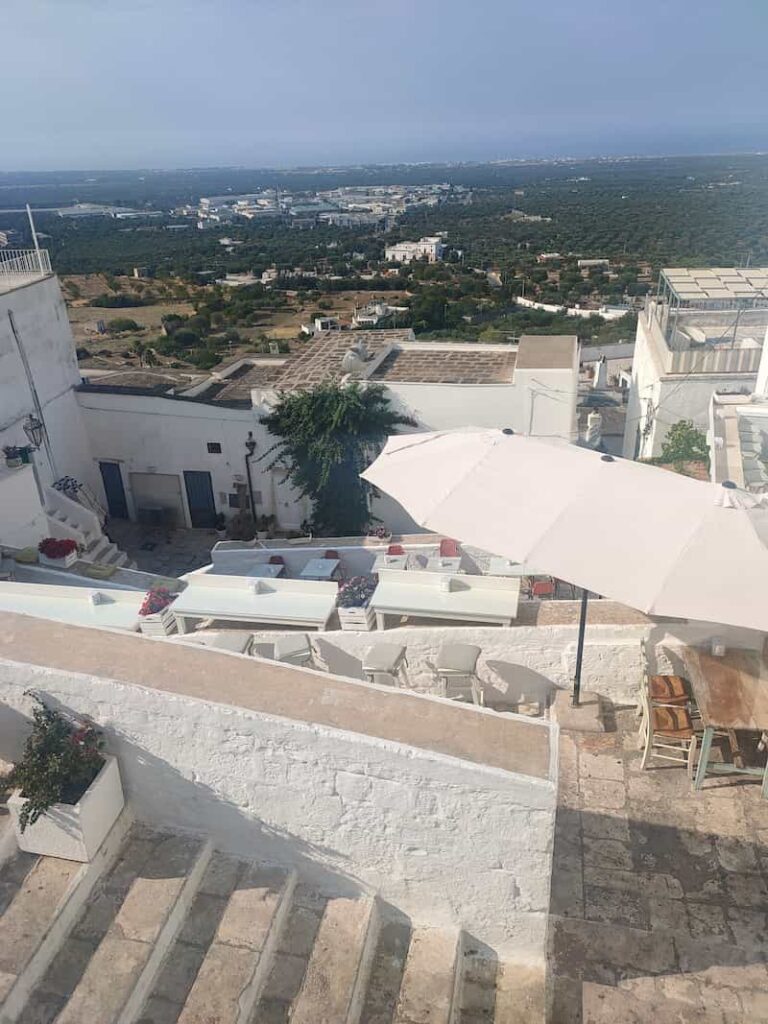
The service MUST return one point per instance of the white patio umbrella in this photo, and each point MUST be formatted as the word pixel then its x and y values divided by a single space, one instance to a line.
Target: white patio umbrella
pixel 655 540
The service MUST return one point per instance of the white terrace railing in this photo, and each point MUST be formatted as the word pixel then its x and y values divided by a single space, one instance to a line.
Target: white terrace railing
pixel 19 266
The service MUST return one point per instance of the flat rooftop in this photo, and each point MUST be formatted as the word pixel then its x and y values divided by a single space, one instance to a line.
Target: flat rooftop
pixel 547 351
pixel 700 286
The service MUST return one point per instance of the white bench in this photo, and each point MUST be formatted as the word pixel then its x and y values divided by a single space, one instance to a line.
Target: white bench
pixel 80 606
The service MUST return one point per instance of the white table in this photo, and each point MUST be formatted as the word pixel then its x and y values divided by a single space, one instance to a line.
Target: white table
pixel 440 564
pixel 390 562
pixel 266 571
pixel 505 567
pixel 472 599
pixel 320 569
pixel 233 599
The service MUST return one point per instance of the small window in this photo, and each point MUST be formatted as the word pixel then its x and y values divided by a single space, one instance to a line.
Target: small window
pixel 214 448
pixel 238 501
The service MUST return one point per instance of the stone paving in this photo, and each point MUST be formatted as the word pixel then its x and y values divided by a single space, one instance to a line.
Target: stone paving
pixel 659 895
pixel 161 551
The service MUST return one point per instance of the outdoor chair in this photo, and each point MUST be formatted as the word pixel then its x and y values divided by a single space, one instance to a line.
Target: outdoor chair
pixel 669 689
pixel 667 733
pixel 276 560
pixel 294 650
pixel 456 670
pixel 542 588
pixel 395 549
pixel 449 548
pixel 330 553
pixel 388 660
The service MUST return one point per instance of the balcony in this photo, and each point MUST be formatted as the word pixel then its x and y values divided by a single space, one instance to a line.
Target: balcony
pixel 21 266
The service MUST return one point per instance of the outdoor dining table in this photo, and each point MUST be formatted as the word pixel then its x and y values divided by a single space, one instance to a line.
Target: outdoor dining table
pixel 506 567
pixel 320 569
pixel 390 562
pixel 731 694
pixel 438 563
pixel 266 570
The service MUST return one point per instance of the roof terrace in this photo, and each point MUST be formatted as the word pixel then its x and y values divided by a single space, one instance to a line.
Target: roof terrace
pixel 21 266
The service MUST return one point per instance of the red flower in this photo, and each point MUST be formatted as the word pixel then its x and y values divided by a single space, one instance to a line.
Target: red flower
pixel 56 547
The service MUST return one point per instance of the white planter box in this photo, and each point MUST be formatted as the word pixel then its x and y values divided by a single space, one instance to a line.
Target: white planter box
pixel 160 624
pixel 58 563
pixel 74 831
pixel 357 618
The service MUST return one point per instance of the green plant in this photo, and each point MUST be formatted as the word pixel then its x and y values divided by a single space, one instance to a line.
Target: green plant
pixel 327 436
pixel 62 757
pixel 684 443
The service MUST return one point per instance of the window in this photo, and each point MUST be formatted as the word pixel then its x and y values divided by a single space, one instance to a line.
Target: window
pixel 239 500
pixel 214 448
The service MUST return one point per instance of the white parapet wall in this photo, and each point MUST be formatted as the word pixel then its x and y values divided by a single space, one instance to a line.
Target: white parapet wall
pixel 526 663
pixel 446 841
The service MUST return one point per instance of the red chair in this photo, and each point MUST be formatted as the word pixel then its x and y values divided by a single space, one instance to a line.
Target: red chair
pixel 449 548
pixel 332 554
pixel 542 588
pixel 395 549
pixel 276 560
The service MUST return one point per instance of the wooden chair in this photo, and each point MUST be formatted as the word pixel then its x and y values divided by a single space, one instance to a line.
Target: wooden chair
pixel 667 733
pixel 669 689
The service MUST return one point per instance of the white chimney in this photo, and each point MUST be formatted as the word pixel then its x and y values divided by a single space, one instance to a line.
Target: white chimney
pixel 594 429
pixel 600 376
pixel 761 388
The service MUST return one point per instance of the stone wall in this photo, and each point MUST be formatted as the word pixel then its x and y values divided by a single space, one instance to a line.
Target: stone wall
pixel 445 841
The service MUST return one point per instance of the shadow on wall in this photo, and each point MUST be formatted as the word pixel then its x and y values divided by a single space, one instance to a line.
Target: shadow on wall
pixel 519 685
pixel 338 661
pixel 14 729
pixel 165 797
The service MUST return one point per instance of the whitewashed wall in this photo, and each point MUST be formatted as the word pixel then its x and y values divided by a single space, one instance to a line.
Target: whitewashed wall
pixel 445 841
pixel 526 663
pixel 40 317
pixel 22 521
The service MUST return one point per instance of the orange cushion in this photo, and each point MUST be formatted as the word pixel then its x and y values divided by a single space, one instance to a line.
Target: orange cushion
pixel 668 689
pixel 672 722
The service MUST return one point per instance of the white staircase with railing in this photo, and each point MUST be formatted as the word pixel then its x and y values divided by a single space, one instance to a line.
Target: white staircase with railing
pixel 69 519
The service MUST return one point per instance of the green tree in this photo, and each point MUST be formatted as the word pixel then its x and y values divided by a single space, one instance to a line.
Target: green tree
pixel 684 443
pixel 327 436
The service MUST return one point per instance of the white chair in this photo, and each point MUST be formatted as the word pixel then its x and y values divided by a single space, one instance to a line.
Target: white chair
pixel 388 660
pixel 456 671
pixel 294 650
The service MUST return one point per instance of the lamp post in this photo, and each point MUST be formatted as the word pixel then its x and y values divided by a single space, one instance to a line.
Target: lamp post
pixel 250 447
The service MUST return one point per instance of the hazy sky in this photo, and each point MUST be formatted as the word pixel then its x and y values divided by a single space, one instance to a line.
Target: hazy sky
pixel 172 83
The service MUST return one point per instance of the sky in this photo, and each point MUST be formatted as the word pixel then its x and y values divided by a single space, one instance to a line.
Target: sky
pixel 103 84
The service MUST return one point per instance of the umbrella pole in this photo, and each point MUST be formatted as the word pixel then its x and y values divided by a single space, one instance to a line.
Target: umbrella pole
pixel 580 648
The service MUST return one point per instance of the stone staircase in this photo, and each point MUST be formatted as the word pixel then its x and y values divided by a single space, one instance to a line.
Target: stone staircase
pixel 68 519
pixel 162 929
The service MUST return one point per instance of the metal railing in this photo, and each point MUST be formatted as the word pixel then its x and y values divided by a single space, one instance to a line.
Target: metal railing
pixel 19 266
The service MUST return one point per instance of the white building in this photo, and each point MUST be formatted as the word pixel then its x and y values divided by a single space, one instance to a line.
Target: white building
pixel 702 333
pixel 431 247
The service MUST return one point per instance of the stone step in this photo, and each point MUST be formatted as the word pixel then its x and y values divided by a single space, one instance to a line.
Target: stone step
pixel 519 994
pixel 234 972
pixel 333 989
pixel 123 968
pixel 41 899
pixel 431 988
pixel 387 971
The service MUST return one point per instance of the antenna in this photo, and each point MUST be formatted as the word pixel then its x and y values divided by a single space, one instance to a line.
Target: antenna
pixel 36 243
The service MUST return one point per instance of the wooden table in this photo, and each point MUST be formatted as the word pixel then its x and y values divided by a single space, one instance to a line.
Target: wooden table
pixel 731 693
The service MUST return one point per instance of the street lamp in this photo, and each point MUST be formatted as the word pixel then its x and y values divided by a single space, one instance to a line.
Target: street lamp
pixel 35 430
pixel 250 447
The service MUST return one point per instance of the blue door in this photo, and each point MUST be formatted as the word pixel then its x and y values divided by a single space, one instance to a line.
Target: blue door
pixel 112 478
pixel 202 511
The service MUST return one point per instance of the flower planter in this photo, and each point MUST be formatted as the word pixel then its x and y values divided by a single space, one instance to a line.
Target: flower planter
pixel 13 463
pixel 358 618
pixel 74 831
pixel 58 563
pixel 160 624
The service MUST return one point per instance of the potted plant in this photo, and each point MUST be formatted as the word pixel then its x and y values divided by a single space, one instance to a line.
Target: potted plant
pixel 220 526
pixel 12 455
pixel 353 603
pixel 155 615
pixel 58 552
pixel 380 533
pixel 67 792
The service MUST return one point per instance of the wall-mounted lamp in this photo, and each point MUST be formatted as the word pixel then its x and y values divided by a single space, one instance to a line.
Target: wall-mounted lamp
pixel 34 429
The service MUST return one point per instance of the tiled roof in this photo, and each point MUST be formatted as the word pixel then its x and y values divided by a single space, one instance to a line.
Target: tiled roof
pixel 443 366
pixel 153 382
pixel 321 360
pixel 546 351
pixel 236 388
